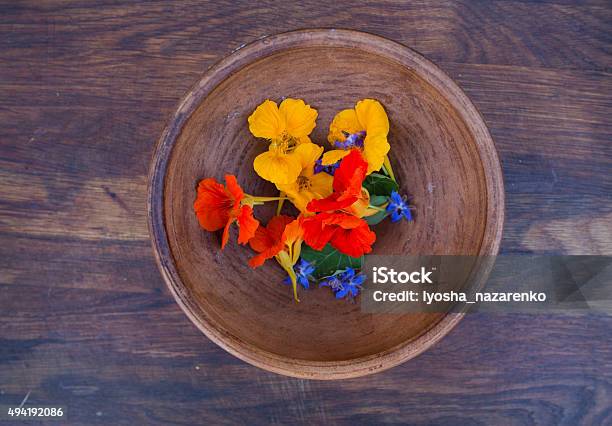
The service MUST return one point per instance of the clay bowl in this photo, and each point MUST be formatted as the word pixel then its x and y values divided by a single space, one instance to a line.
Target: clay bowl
pixel 441 153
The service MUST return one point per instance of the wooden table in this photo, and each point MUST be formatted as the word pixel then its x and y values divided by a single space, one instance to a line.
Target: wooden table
pixel 86 321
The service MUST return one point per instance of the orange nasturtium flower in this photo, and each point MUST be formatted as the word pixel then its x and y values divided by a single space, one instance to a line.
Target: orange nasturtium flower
pixel 286 127
pixel 308 185
pixel 218 206
pixel 282 239
pixel 366 128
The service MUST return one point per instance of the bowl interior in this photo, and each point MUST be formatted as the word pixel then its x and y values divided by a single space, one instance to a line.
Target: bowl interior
pixel 433 154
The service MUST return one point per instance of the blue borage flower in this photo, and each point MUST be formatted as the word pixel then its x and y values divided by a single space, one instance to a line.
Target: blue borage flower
pixel 330 169
pixel 352 140
pixel 345 283
pixel 398 207
pixel 303 273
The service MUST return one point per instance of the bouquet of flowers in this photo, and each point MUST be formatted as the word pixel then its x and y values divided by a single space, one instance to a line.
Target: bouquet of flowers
pixel 339 194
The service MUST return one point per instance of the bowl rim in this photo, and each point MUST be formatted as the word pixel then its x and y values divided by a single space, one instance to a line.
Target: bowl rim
pixel 259 49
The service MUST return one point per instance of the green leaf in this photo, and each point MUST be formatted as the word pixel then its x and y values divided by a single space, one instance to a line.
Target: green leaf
pixel 329 260
pixel 378 200
pixel 376 218
pixel 378 184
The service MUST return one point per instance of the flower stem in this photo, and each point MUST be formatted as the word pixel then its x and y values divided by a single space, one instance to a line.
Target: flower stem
pixel 266 199
pixel 280 202
pixel 285 261
pixel 387 166
pixel 293 283
pixel 380 209
pixel 253 200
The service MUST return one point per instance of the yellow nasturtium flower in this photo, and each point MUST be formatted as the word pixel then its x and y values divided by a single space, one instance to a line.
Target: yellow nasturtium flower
pixel 286 127
pixel 366 128
pixel 308 185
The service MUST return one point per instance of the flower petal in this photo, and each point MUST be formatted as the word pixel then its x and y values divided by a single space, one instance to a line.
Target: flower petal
pixel 347 121
pixel 234 189
pixel 247 224
pixel 348 179
pixel 374 150
pixel 372 117
pixel 303 139
pixel 321 185
pixel 299 199
pixel 360 207
pixel 293 232
pixel 267 121
pixel 277 167
pixel 342 292
pixel 260 258
pixel 276 226
pixel 307 153
pixel 354 242
pixel 343 220
pixel 268 240
pixel 348 234
pixel 333 156
pixel 300 118
pixel 225 236
pixel 212 205
pixel 350 174
pixel 336 201
pixel 316 234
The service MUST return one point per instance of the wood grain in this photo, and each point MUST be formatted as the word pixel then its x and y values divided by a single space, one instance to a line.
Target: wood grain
pixel 86 321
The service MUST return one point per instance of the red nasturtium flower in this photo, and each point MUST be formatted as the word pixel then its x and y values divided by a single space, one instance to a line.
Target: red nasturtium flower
pixel 348 234
pixel 348 194
pixel 281 239
pixel 268 240
pixel 282 234
pixel 218 206
pixel 338 219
